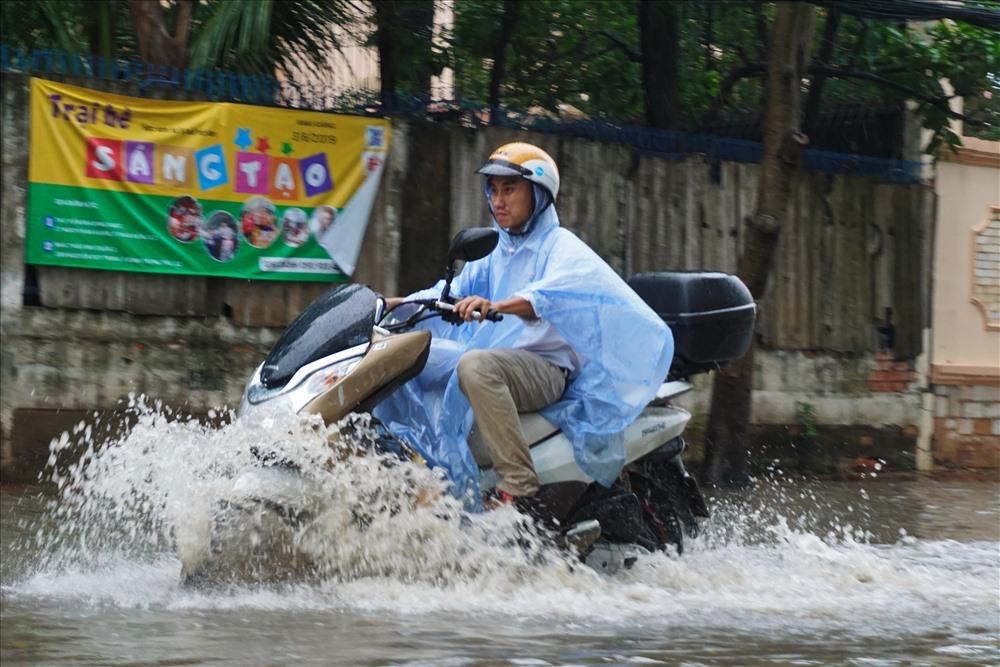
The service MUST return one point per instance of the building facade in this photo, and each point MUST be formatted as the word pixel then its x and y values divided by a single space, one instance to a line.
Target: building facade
pixel 965 334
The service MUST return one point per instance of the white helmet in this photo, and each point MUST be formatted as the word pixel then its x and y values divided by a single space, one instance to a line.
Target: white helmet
pixel 527 161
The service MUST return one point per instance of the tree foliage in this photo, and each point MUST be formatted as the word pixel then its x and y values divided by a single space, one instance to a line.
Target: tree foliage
pixel 97 27
pixel 966 56
pixel 561 52
pixel 250 36
pixel 590 56
pixel 264 35
pixel 403 34
pixel 559 55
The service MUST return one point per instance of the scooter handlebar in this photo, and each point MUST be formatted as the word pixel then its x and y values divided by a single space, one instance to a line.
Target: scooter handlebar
pixel 491 315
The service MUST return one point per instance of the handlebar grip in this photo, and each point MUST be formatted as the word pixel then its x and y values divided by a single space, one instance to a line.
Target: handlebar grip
pixel 491 315
pixel 445 308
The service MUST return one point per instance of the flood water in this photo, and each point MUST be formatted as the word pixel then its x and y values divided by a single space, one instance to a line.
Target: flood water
pixel 869 572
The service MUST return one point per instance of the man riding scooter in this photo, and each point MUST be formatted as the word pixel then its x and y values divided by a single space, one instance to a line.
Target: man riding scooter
pixel 582 347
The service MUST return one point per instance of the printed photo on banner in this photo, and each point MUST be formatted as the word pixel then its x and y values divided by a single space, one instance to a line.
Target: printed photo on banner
pixel 235 176
pixel 184 219
pixel 220 236
pixel 322 221
pixel 259 222
pixel 295 227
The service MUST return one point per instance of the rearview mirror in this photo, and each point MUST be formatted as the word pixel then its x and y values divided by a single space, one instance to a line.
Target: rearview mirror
pixel 472 244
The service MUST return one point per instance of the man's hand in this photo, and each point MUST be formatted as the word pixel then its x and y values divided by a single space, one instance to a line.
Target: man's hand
pixel 465 307
pixel 515 306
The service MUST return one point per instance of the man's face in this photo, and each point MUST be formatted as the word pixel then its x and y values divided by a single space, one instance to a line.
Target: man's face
pixel 510 198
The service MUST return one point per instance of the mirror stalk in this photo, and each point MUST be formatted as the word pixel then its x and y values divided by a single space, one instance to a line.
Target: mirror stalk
pixel 448 276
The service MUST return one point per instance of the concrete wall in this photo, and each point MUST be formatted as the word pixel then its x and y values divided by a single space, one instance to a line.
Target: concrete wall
pixel 84 339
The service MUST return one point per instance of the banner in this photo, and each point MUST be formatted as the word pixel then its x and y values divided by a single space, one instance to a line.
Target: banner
pixel 198 188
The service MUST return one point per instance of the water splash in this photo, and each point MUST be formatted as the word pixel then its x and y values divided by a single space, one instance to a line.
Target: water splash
pixel 174 487
pixel 779 559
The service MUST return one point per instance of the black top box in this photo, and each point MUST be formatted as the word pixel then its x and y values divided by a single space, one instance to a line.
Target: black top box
pixel 711 315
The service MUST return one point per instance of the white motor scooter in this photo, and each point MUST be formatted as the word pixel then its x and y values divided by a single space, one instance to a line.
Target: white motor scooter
pixel 345 353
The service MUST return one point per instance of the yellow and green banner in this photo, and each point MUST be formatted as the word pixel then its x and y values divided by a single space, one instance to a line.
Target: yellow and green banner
pixel 198 188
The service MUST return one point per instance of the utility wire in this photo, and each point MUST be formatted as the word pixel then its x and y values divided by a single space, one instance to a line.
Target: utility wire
pixel 982 14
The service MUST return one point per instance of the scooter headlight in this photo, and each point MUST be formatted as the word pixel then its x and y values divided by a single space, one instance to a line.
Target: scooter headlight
pixel 325 378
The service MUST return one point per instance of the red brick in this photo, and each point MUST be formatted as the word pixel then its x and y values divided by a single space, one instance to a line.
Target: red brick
pixel 893 376
pixel 882 362
pixel 884 387
pixel 982 426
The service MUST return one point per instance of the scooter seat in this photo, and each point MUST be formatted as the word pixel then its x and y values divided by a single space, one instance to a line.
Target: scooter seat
pixel 535 427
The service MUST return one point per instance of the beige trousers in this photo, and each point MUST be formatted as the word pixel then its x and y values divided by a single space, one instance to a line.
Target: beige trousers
pixel 499 384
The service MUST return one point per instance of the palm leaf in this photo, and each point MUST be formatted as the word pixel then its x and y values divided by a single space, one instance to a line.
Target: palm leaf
pixel 263 35
pixel 62 30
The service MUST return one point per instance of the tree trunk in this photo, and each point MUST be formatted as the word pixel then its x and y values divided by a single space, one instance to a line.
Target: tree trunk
pixel 385 43
pixel 182 25
pixel 659 43
pixel 510 12
pixel 404 32
pixel 417 24
pixel 817 82
pixel 156 45
pixel 791 36
pixel 102 29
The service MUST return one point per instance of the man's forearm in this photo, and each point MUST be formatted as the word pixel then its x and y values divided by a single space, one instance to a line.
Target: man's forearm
pixel 516 306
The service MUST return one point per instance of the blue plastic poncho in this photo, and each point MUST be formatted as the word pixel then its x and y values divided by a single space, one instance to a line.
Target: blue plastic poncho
pixel 624 347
